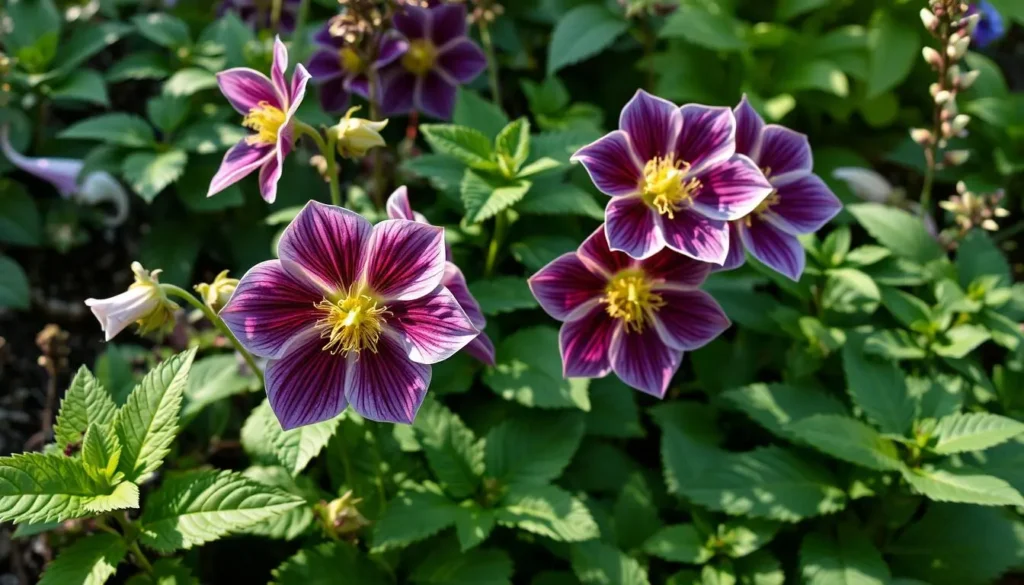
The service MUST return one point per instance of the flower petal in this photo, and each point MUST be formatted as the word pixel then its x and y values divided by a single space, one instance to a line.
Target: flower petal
pixel 462 60
pixel 277 69
pixel 387 386
pixel 398 205
pixel 397 89
pixel 333 96
pixel 643 361
pixel 244 88
pixel 775 248
pixel 392 46
pixel 633 227
pixel 324 37
pixel 306 385
pixel 708 135
pixel 411 21
pixel 805 205
pixel 697 236
pixel 455 282
pixel 612 164
pixel 325 244
pixel 585 341
pixel 300 77
pixel 270 307
pixel 736 257
pixel 690 319
pixel 680 271
pixel 652 123
pixel 270 174
pixel 599 257
pixel 241 160
pixel 447 22
pixel 749 125
pixel 784 151
pixel 435 96
pixel 325 65
pixel 120 311
pixel 731 189
pixel 564 285
pixel 404 259
pixel 434 326
pixel 481 349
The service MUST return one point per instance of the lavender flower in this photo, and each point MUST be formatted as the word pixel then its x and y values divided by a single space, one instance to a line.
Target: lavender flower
pixel 339 70
pixel 990 28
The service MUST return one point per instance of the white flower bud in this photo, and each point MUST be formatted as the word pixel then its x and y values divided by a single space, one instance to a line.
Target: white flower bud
pixel 928 19
pixel 356 136
pixel 144 303
pixel 931 57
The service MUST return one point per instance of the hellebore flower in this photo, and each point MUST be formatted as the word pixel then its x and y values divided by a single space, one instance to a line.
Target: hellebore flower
pixel 480 348
pixel 62 173
pixel 350 314
pixel 144 303
pixel 632 317
pixel 439 58
pixel 674 179
pixel 257 13
pixel 339 70
pixel 268 107
pixel 990 28
pixel 354 137
pixel 800 202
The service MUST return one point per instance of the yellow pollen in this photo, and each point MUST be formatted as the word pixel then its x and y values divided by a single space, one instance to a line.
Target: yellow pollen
pixel 350 60
pixel 762 207
pixel 351 324
pixel 419 59
pixel 266 120
pixel 665 187
pixel 628 297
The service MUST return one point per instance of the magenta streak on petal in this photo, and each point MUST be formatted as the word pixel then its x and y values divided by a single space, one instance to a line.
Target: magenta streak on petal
pixel 653 125
pixel 635 228
pixel 455 282
pixel 736 257
pixel 784 153
pixel 404 259
pixel 643 361
pixel 245 88
pixel 599 258
pixel 748 129
pixel 277 69
pixel 326 245
pixel 434 326
pixel 241 160
pixel 804 206
pixel 585 342
pixel 612 164
pixel 697 237
pixel 674 269
pixel 387 386
pixel 731 189
pixel 564 285
pixel 708 136
pixel 306 385
pixel 775 248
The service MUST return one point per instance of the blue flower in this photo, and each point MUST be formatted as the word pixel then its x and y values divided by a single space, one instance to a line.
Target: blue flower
pixel 991 27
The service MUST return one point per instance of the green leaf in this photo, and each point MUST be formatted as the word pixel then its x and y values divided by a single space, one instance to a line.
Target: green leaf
pixel 163 29
pixel 964 485
pixel 475 112
pixel 447 565
pixel 14 291
pixel 295 522
pixel 196 507
pixel 444 173
pixel 849 558
pixel 613 410
pixel 976 431
pixel 83 85
pixel 680 544
pixel 469 146
pixel 549 511
pixel 878 387
pixel 39 488
pixel 819 74
pixel 635 513
pixel 85 42
pixel 535 252
pixel 173 246
pixel 787 9
pixel 538 167
pixel 323 564
pixel 849 290
pixel 167 112
pixel 189 81
pixel 412 516
pixel 777 406
pixel 561 145
pixel 897 230
pixel 596 563
pixel 85 403
pixel 513 146
pixel 294 449
pixel 150 173
pixel 689 442
pixel 907 308
pixel 978 256
pixel 961 340
pixel 148 423
pixel 743 537
pixel 453 451
pixel 503 294
pixel 529 371
pixel 705 26
pixel 473 524
pixel 165 572
pixel 142 65
pixel 533 448
pixel 101 452
pixel 212 379
pixel 553 197
pixel 582 33
pixel 895 345
pixel 893 49
pixel 34 18
pixel 486 196
pixel 89 561
pixel 20 223
pixel 848 439
pixel 208 138
pixel 118 129
pixel 769 482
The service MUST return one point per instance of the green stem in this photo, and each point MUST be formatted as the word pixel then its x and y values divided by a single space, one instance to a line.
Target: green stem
pixel 275 14
pixel 140 557
pixel 327 150
pixel 377 183
pixel 492 62
pixel 217 322
pixel 299 35
pixel 130 534
pixel 500 225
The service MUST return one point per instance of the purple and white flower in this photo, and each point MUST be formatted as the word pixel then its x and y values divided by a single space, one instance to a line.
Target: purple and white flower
pixel 628 316
pixel 340 71
pixel 269 107
pixel 440 57
pixel 674 178
pixel 351 313
pixel 800 202
pixel 480 348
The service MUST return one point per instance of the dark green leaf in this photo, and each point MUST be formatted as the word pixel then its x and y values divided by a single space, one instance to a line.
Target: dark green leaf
pixel 529 371
pixel 582 33
pixel 503 294
pixel 118 128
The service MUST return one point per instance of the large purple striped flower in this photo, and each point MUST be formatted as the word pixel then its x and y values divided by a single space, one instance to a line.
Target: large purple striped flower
pixel 674 179
pixel 440 57
pixel 339 70
pixel 633 317
pixel 480 348
pixel 268 106
pixel 800 202
pixel 350 314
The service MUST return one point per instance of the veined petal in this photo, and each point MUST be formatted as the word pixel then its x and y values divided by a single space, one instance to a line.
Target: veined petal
pixel 325 65
pixel 690 319
pixel 652 123
pixel 241 160
pixel 697 236
pixel 434 326
pixel 412 21
pixel 277 69
pixel 447 22
pixel 633 227
pixel 612 164
pixel 775 248
pixel 564 285
pixel 298 89
pixel 731 189
pixel 455 282
pixel 387 386
pixel 435 96
pixel 708 136
pixel 585 341
pixel 270 174
pixel 306 385
pixel 333 95
pixel 749 125
pixel 736 257
pixel 270 307
pixel 462 60
pixel 805 205
pixel 670 268
pixel 118 312
pixel 392 46
pixel 398 87
pixel 398 206
pixel 784 153
pixel 244 88
pixel 325 244
pixel 598 256
pixel 404 259
pixel 643 361
pixel 481 349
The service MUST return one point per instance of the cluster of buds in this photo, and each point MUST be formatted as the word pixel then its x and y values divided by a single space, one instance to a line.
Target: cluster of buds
pixel 359 20
pixel 486 11
pixel 217 293
pixel 635 8
pixel 972 210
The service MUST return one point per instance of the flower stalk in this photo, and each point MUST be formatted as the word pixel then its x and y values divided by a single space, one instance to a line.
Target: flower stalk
pixel 327 150
pixel 492 61
pixel 500 226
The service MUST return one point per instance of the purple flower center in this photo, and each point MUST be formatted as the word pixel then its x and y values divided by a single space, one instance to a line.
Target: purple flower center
pixel 353 323
pixel 266 120
pixel 350 60
pixel 629 298
pixel 420 57
pixel 665 186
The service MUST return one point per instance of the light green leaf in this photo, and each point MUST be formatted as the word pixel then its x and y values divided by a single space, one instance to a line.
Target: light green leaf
pixel 553 197
pixel 486 196
pixel 14 291
pixel 681 543
pixel 20 223
pixel 85 403
pixel 529 371
pixel 536 251
pixel 118 129
pixel 475 112
pixel 323 564
pixel 561 145
pixel 469 146
pixel 533 448
pixel 447 565
pixel 453 451
pixel 142 65
pixel 893 49
pixel 443 172
pixel 150 173
pixel 165 572
pixel 196 507
pixel 413 516
pixel 101 452
pixel 705 26
pixel 961 340
pixel 38 488
pixel 549 511
pixel 538 167
pixel 849 558
pixel 503 294
pixel 582 33
pixel 819 74
pixel 208 138
pixel 894 344
pixel 212 379
pixel 163 29
pixel 82 85
pixel 295 522
pixel 148 423
pixel 189 81
pixel 849 290
pixel 777 406
pixel 976 431
pixel 907 308
pixel 878 387
pixel 125 495
pixel 263 438
pixel 689 442
pixel 613 410
pixel 596 563
pixel 167 112
pixel 89 561
pixel 848 439
pixel 85 42
pixel 473 524
pixel 963 485
pixel 744 537
pixel 635 513
pixel 787 9
pixel 897 230
pixel 513 146
pixel 978 256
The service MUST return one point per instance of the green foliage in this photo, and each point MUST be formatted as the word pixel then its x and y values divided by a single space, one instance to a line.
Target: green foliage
pixel 455 455
pixel 529 372
pixel 90 561
pixel 267 442
pixel 46 488
pixel 413 516
pixel 321 565
pixel 847 557
pixel 581 33
pixel 85 403
pixel 547 510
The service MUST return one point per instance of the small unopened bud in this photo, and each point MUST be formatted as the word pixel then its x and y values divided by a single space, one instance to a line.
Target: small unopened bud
pixel 970 24
pixel 934 89
pixel 341 517
pixel 922 136
pixel 931 57
pixel 961 187
pixel 959 123
pixel 356 136
pixel 967 79
pixel 955 158
pixel 928 19
pixel 144 303
pixel 217 293
pixel 942 97
pixel 958 48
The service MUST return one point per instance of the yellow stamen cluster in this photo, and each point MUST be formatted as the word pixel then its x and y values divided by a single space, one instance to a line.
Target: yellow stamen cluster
pixel 628 297
pixel 665 186
pixel 266 120
pixel 420 57
pixel 351 324
pixel 350 60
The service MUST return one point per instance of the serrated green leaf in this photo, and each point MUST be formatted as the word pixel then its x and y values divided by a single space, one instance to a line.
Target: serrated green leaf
pixel 907 308
pixel 85 403
pixel 38 488
pixel 974 431
pixel 189 81
pixel 413 516
pixel 776 406
pixel 689 442
pixel 743 537
pixel 961 340
pixel 163 29
pixel 101 452
pixel 635 513
pixel 963 485
pixel 82 85
pixel 512 146
pixel 473 524
pixel 849 290
pixel 469 146
pixel 897 230
pixel 486 196
pixel 681 543
pixel 196 507
pixel 446 565
pixel 267 442
pixel 878 387
pixel 848 439
pixel 581 33
pixel 529 371
pixel 895 345
pixel 89 561
pixel 443 172
pixel 293 523
pixel 117 128
pixel 503 294
pixel 453 451
pixel 596 563
pixel 124 496
pixel 150 173
pixel 538 167
pixel 148 423
pixel 141 65
pixel 550 196
pixel 212 379
pixel 549 511
pixel 613 410
pixel 978 256
pixel 323 564
pixel 706 26
pixel 533 448
pixel 476 112
pixel 849 558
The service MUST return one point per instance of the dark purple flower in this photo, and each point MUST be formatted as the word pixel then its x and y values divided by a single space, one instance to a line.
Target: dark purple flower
pixel 340 71
pixel 800 202
pixel 674 179
pixel 990 28
pixel 257 13
pixel 480 348
pixel 633 317
pixel 351 314
pixel 439 58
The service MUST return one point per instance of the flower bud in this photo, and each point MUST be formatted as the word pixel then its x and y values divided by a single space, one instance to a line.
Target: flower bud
pixel 931 57
pixel 959 123
pixel 217 293
pixel 971 23
pixel 341 516
pixel 922 136
pixel 928 19
pixel 356 136
pixel 967 79
pixel 957 157
pixel 144 303
pixel 942 96
pixel 958 48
